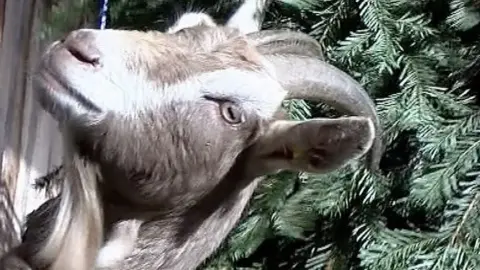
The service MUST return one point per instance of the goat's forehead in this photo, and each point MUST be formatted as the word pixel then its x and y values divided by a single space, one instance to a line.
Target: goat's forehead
pixel 254 91
pixel 164 70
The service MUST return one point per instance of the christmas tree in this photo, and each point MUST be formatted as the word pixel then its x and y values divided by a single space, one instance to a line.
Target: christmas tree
pixel 419 60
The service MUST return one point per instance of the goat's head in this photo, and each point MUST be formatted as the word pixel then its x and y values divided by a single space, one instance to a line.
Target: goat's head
pixel 171 117
pixel 193 103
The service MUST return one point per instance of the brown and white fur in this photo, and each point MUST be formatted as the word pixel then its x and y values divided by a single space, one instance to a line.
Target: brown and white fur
pixel 168 134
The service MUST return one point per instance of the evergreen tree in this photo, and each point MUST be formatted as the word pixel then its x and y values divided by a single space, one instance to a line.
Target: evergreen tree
pixel 418 59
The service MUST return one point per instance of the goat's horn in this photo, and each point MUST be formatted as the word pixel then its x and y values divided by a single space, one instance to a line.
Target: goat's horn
pixel 295 57
pixel 312 79
pixel 285 42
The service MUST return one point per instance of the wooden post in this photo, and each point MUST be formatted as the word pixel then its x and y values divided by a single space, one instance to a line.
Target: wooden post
pixel 30 144
pixel 9 236
pixel 2 95
pixel 2 19
pixel 8 219
pixel 6 205
pixel 12 21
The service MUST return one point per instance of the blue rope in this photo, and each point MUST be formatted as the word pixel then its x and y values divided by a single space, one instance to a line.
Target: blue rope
pixel 103 14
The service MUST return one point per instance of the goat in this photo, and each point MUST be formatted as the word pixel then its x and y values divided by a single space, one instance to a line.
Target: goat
pixel 171 133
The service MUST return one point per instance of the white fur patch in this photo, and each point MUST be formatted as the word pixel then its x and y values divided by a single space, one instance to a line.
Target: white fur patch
pixel 191 19
pixel 245 18
pixel 113 253
pixel 120 244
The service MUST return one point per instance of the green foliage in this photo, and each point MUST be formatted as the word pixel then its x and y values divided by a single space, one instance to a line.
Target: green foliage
pixel 421 213
pixel 64 16
pixel 418 59
pixel 463 16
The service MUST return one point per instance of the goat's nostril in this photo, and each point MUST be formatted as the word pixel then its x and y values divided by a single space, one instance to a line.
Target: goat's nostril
pixel 92 59
pixel 81 45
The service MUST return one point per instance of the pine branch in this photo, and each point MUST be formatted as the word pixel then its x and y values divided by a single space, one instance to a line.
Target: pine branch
pixel 462 154
pixel 386 48
pixel 418 80
pixel 352 47
pixel 330 19
pixel 320 257
pixel 407 5
pixel 461 249
pixel 247 237
pixel 294 220
pixel 439 141
pixel 465 216
pixel 463 16
pixel 398 249
pixel 272 193
pixel 50 183
pixel 415 27
pixel 298 109
pixel 301 4
pixel 327 194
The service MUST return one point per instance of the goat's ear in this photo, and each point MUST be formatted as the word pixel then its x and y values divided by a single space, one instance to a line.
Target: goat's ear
pixel 316 146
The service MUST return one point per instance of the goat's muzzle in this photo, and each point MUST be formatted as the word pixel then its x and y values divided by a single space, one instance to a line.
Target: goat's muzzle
pixel 72 56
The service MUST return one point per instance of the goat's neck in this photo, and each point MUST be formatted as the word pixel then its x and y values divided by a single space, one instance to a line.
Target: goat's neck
pixel 183 242
pixel 182 236
pixel 122 203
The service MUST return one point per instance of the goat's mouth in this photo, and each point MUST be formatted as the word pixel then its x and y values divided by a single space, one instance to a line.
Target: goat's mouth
pixel 56 93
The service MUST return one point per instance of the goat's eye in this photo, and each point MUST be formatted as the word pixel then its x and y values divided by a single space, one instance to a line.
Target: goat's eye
pixel 231 112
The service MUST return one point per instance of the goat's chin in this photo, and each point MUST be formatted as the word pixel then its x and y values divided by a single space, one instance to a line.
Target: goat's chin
pixel 57 99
